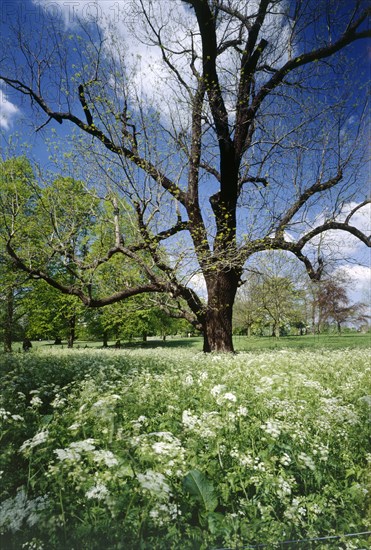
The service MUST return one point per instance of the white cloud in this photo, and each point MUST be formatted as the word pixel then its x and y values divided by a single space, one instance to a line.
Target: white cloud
pixel 177 21
pixel 341 243
pixel 8 111
pixel 198 283
pixel 359 289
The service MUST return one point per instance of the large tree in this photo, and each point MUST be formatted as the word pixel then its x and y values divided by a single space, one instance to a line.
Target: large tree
pixel 244 135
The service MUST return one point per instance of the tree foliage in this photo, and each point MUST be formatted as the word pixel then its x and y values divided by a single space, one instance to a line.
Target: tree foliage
pixel 332 303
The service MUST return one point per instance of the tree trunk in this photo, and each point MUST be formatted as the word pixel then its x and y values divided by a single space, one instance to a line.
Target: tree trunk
pixel 218 320
pixel 105 339
pixel 8 321
pixel 276 330
pixel 72 331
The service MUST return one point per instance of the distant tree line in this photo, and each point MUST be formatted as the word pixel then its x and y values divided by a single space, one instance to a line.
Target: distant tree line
pixel 275 305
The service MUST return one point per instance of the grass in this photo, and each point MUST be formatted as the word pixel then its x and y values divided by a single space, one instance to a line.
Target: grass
pixel 241 343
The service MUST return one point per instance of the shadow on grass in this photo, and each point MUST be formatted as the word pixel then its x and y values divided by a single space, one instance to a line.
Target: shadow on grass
pixel 178 343
pixel 195 343
pixel 241 343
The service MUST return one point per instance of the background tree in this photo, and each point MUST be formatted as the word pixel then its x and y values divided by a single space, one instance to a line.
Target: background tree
pixel 12 296
pixel 51 315
pixel 247 314
pixel 273 295
pixel 253 149
pixel 278 302
pixel 332 303
pixel 17 201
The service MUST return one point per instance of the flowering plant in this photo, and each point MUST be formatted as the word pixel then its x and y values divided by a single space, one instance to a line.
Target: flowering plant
pixel 130 449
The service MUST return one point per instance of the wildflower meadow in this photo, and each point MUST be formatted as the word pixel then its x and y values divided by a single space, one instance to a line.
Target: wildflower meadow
pixel 175 449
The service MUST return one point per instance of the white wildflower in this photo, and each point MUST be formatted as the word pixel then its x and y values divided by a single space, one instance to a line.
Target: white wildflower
pixel 74 426
pixel 163 448
pixel 272 427
pixel 245 460
pixel 19 509
pixel 242 411
pixel 230 397
pixel 98 491
pixel 107 457
pixel 203 376
pixel 36 401
pixel 84 445
pixel 138 423
pixel 189 420
pixel 155 482
pixel 58 402
pixel 67 454
pixel 259 466
pixel 217 390
pixel 284 488
pixel 164 512
pixel 37 439
pixel 33 544
pixel 74 450
pixel 307 461
pixel 285 460
pixel 17 417
pixel 4 414
pixel 323 453
pixel 188 381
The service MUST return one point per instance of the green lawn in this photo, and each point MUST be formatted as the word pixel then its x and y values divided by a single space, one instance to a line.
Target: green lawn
pixel 241 343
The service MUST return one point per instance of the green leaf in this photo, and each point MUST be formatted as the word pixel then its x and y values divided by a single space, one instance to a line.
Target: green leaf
pixel 216 524
pixel 197 484
pixel 46 419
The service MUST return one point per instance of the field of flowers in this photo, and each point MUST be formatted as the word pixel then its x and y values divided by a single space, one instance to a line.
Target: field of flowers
pixel 172 449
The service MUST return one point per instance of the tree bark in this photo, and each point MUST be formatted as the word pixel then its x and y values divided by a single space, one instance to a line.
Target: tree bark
pixel 222 290
pixel 276 330
pixel 105 339
pixel 8 321
pixel 72 331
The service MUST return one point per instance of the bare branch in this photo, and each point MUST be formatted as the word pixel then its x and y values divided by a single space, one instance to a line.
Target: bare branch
pixel 317 187
pixel 350 35
pixel 332 224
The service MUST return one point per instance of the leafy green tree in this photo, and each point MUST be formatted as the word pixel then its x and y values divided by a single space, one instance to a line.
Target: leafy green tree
pixel 248 314
pixel 17 217
pixel 49 314
pixel 239 144
pixel 278 301
pixel 12 293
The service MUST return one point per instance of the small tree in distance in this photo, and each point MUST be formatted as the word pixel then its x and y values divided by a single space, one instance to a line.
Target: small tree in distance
pixel 332 303
pixel 247 138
